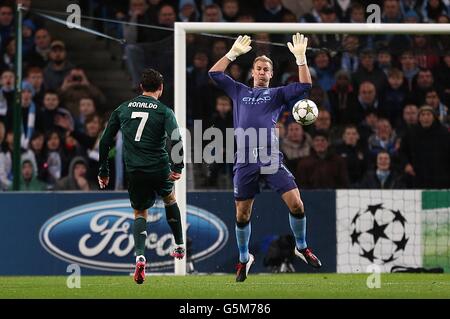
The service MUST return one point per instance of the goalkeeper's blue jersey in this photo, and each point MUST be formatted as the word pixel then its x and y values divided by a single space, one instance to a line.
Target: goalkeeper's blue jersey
pixel 257 108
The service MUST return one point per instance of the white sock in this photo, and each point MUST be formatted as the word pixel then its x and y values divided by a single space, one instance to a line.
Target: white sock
pixel 140 256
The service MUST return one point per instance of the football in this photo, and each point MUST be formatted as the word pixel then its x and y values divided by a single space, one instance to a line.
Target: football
pixel 305 112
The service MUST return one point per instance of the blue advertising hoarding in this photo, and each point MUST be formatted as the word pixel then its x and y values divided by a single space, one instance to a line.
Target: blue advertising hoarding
pixel 41 233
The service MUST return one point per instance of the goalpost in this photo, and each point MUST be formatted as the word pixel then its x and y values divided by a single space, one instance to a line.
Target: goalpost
pixel 181 28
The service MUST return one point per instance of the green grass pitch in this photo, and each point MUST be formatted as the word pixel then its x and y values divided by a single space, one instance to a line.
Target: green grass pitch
pixel 271 286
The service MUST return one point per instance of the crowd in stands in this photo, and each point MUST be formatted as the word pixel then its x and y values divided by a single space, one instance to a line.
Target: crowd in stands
pixel 383 99
pixel 60 123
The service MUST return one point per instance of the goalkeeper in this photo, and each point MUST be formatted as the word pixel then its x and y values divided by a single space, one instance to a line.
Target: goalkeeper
pixel 258 108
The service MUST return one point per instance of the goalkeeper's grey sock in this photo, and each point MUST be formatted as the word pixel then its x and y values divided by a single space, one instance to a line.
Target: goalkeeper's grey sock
pixel 298 227
pixel 243 232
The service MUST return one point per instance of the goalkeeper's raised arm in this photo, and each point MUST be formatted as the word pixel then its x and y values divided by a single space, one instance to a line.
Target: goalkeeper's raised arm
pixel 298 49
pixel 240 46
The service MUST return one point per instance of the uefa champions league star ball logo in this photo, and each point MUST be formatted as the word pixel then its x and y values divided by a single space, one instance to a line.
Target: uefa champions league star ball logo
pixel 380 233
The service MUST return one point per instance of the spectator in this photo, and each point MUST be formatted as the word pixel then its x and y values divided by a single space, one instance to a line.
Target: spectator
pixel 154 51
pixel 343 10
pixel 409 119
pixel 220 173
pixel 212 13
pixel 328 15
pixel 29 112
pixel 6 174
pixel 138 13
pixel 383 177
pixel 76 86
pixel 383 139
pixel 324 70
pixel 219 49
pixel 410 6
pixel 35 76
pixel 37 143
pixel 296 145
pixel 2 134
pixel 440 110
pixel 197 79
pixel 29 181
pixel 314 15
pixel 7 62
pixel 55 161
pixel 58 66
pixel 323 168
pixel 432 9
pixel 39 55
pixel 86 108
pixel 368 71
pixel 442 74
pixel 6 24
pixel 368 126
pixel 391 12
pixel 187 11
pixel 77 179
pixel 425 152
pixel 367 99
pixel 324 124
pixel 424 81
pixel 395 95
pixel 425 52
pixel 350 58
pixel 28 30
pixel 318 95
pixel 384 60
pixel 354 155
pixel 272 11
pixel 410 16
pixel 7 97
pixel 222 118
pixel 236 72
pixel 343 100
pixel 230 10
pixel 408 62
pixel 246 17
pixel 48 112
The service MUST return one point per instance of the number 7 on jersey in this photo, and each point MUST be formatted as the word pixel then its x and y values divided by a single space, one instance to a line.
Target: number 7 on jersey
pixel 144 118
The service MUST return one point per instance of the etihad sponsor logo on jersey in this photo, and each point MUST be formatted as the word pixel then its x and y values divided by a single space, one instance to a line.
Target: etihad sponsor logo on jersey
pixel 256 100
pixel 143 105
pixel 99 235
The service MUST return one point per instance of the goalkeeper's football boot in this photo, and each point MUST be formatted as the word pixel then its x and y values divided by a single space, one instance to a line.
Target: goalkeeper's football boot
pixel 139 273
pixel 178 252
pixel 243 268
pixel 308 257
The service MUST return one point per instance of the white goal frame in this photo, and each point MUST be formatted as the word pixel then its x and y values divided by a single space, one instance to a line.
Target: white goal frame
pixel 181 28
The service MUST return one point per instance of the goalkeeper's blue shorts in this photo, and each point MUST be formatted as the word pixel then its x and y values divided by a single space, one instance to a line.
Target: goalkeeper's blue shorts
pixel 246 180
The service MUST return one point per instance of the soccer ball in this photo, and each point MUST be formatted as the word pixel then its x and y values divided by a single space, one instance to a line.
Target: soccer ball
pixel 305 112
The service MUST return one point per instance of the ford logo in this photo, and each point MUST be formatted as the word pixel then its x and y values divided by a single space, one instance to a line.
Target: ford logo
pixel 100 236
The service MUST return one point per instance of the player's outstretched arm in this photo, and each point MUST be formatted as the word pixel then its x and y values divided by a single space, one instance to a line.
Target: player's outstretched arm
pixel 240 46
pixel 298 49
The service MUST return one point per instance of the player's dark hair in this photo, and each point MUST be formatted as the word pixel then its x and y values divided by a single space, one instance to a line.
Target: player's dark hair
pixel 151 80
